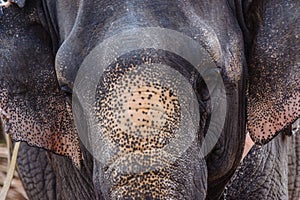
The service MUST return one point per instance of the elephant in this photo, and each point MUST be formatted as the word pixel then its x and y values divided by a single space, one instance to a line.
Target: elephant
pixel 144 99
pixel 268 172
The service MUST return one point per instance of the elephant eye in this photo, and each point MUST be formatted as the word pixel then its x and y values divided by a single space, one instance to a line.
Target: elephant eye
pixel 68 92
pixel 66 89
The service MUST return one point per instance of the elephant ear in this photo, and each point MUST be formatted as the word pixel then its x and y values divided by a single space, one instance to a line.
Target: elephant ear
pixel 274 69
pixel 32 106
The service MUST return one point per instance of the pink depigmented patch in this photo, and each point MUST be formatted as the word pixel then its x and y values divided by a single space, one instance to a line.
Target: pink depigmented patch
pixel 263 125
pixel 248 145
pixel 54 131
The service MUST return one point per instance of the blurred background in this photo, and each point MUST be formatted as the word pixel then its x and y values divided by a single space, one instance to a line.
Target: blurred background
pixel 16 191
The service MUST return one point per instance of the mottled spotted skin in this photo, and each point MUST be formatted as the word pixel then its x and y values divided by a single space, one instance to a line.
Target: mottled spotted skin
pixel 138 119
pixel 140 107
pixel 139 113
pixel 274 70
pixel 32 106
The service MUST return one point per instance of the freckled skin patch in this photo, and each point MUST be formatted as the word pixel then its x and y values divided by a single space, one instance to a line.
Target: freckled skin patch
pixel 155 182
pixel 147 113
pixel 32 106
pixel 139 112
pixel 266 121
pixel 35 124
pixel 274 72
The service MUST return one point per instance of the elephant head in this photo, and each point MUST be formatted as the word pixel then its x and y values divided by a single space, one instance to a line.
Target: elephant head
pixel 141 81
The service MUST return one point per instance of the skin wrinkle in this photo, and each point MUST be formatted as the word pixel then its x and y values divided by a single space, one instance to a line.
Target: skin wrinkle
pixel 294 166
pixel 209 37
pixel 264 172
pixel 32 164
pixel 272 168
pixel 296 191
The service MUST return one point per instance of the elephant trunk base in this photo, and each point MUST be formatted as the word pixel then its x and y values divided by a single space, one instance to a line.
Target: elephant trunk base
pixel 140 113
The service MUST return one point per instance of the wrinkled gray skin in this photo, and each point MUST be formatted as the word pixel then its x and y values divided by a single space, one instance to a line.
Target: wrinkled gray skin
pixel 46 41
pixel 268 172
